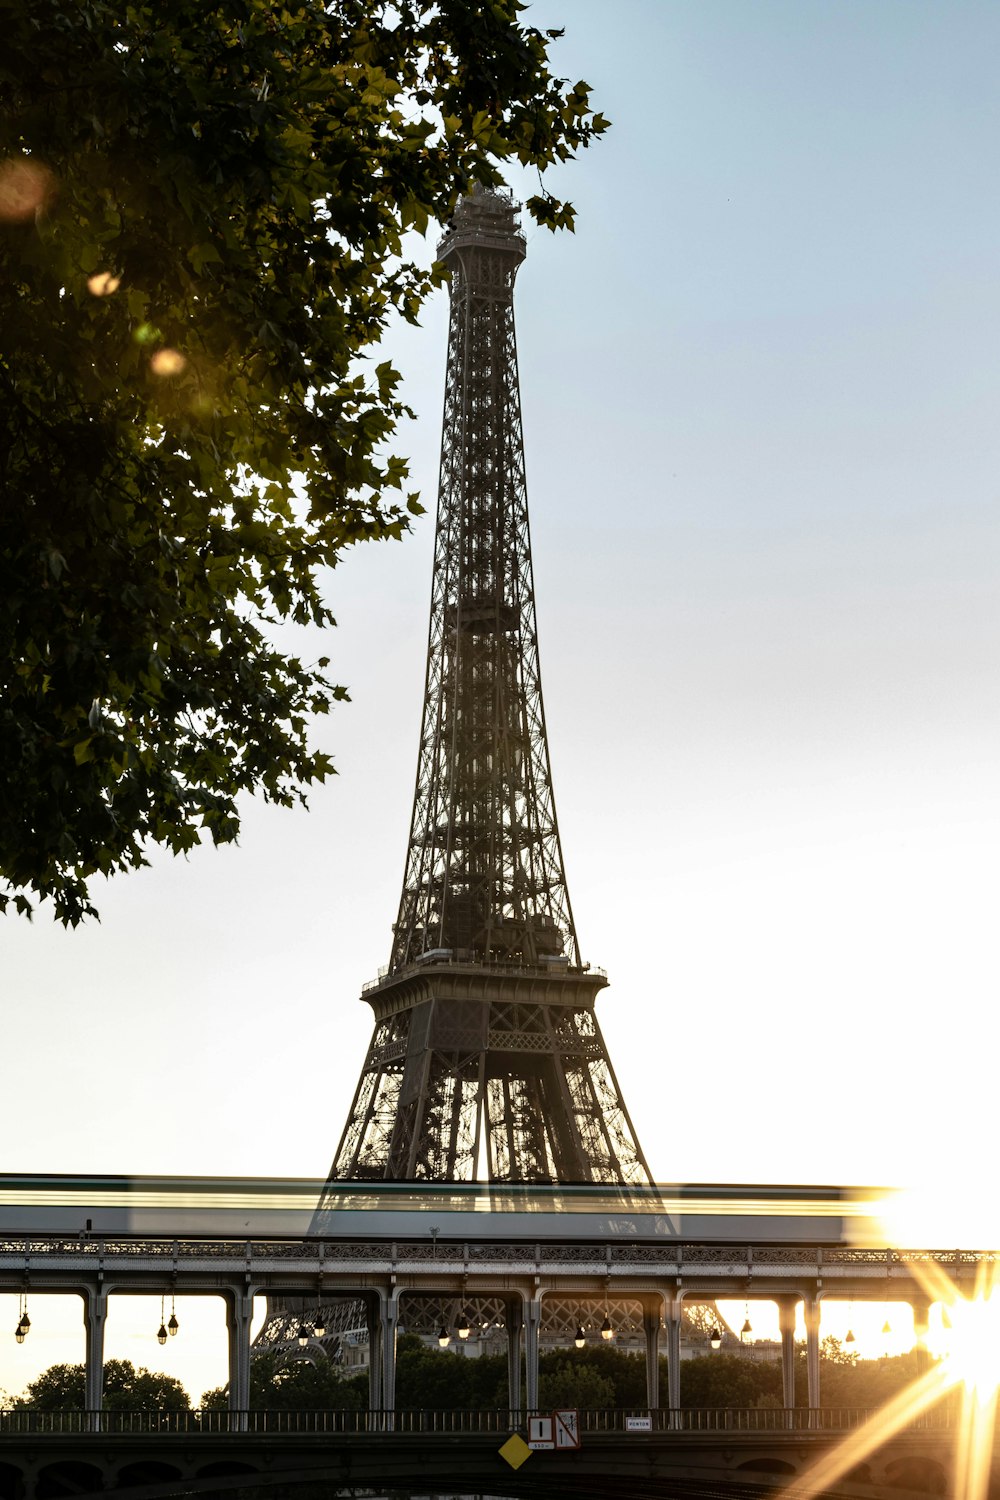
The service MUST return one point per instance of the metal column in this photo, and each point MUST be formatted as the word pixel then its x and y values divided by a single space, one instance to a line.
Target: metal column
pixel 811 1310
pixel 239 1316
pixel 373 1317
pixel 651 1322
pixel 921 1308
pixel 673 1321
pixel 95 1313
pixel 515 1322
pixel 786 1322
pixel 389 1319
pixel 532 1325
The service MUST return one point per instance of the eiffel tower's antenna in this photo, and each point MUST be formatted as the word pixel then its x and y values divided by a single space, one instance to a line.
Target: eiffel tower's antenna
pixel 486 1053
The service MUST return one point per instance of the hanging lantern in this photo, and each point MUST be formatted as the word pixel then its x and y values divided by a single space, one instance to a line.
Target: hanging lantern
pixel 715 1338
pixel 462 1327
pixel 607 1332
pixel 886 1326
pixel 747 1328
pixel 443 1339
pixel 161 1336
pixel 850 1337
pixel 579 1340
pixel 303 1335
pixel 19 1333
pixel 319 1327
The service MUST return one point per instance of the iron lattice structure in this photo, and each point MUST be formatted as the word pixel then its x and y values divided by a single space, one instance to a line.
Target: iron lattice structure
pixel 486 1057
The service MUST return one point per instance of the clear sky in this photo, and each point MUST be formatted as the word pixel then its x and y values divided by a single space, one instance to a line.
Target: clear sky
pixel 760 391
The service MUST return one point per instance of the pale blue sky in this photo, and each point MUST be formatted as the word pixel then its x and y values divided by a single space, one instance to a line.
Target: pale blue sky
pixel 760 390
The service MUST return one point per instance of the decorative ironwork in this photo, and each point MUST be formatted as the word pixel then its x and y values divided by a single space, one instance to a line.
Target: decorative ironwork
pixel 318 1257
pixel 487 1058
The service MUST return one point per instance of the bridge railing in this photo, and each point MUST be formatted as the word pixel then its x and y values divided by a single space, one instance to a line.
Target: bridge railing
pixel 430 1421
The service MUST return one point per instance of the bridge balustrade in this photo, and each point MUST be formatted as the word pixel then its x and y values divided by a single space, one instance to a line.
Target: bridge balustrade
pixel 453 1423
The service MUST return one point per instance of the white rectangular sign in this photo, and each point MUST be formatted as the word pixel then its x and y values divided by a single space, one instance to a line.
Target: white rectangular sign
pixel 638 1424
pixel 540 1433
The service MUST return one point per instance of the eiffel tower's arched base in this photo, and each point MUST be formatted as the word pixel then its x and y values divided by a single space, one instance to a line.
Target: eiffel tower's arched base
pixel 479 1070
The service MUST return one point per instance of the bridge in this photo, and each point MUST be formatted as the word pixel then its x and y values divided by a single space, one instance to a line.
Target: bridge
pixel 649 1249
pixel 699 1453
pixel 537 1251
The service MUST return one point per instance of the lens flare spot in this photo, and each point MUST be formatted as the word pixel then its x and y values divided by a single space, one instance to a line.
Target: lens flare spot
pixel 103 283
pixel 972 1344
pixel 25 189
pixel 167 362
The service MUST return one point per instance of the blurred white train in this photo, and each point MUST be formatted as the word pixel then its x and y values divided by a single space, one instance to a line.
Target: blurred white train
pixel 292 1208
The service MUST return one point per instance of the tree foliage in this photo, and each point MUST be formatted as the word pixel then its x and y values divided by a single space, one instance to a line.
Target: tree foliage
pixel 279 1384
pixel 845 1380
pixel 203 210
pixel 569 1382
pixel 730 1380
pixel 596 1371
pixel 63 1387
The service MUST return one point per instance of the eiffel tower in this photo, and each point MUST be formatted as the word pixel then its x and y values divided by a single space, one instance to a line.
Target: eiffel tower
pixel 487 1058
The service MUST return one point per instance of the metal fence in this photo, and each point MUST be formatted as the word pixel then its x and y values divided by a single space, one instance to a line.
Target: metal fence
pixel 414 1422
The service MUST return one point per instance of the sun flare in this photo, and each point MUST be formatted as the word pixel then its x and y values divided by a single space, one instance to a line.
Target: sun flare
pixel 966 1344
pixel 971 1345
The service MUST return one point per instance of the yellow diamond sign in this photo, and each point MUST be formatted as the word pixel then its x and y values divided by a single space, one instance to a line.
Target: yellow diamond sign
pixel 515 1450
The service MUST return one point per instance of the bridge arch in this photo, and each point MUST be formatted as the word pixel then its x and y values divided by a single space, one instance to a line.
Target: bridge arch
pixel 766 1466
pixel 926 1476
pixel 146 1471
pixel 227 1468
pixel 68 1476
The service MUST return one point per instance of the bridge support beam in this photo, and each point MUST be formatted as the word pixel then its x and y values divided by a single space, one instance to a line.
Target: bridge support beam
pixel 651 1321
pixel 673 1322
pixel 921 1311
pixel 373 1319
pixel 786 1323
pixel 388 1314
pixel 515 1322
pixel 811 1311
pixel 239 1316
pixel 532 1325
pixel 95 1313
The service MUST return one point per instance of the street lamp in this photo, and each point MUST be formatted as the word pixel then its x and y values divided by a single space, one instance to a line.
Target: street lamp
pixel 23 1322
pixel 715 1338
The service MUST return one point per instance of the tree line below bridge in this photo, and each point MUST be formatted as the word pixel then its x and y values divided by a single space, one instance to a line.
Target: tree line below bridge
pixel 595 1377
